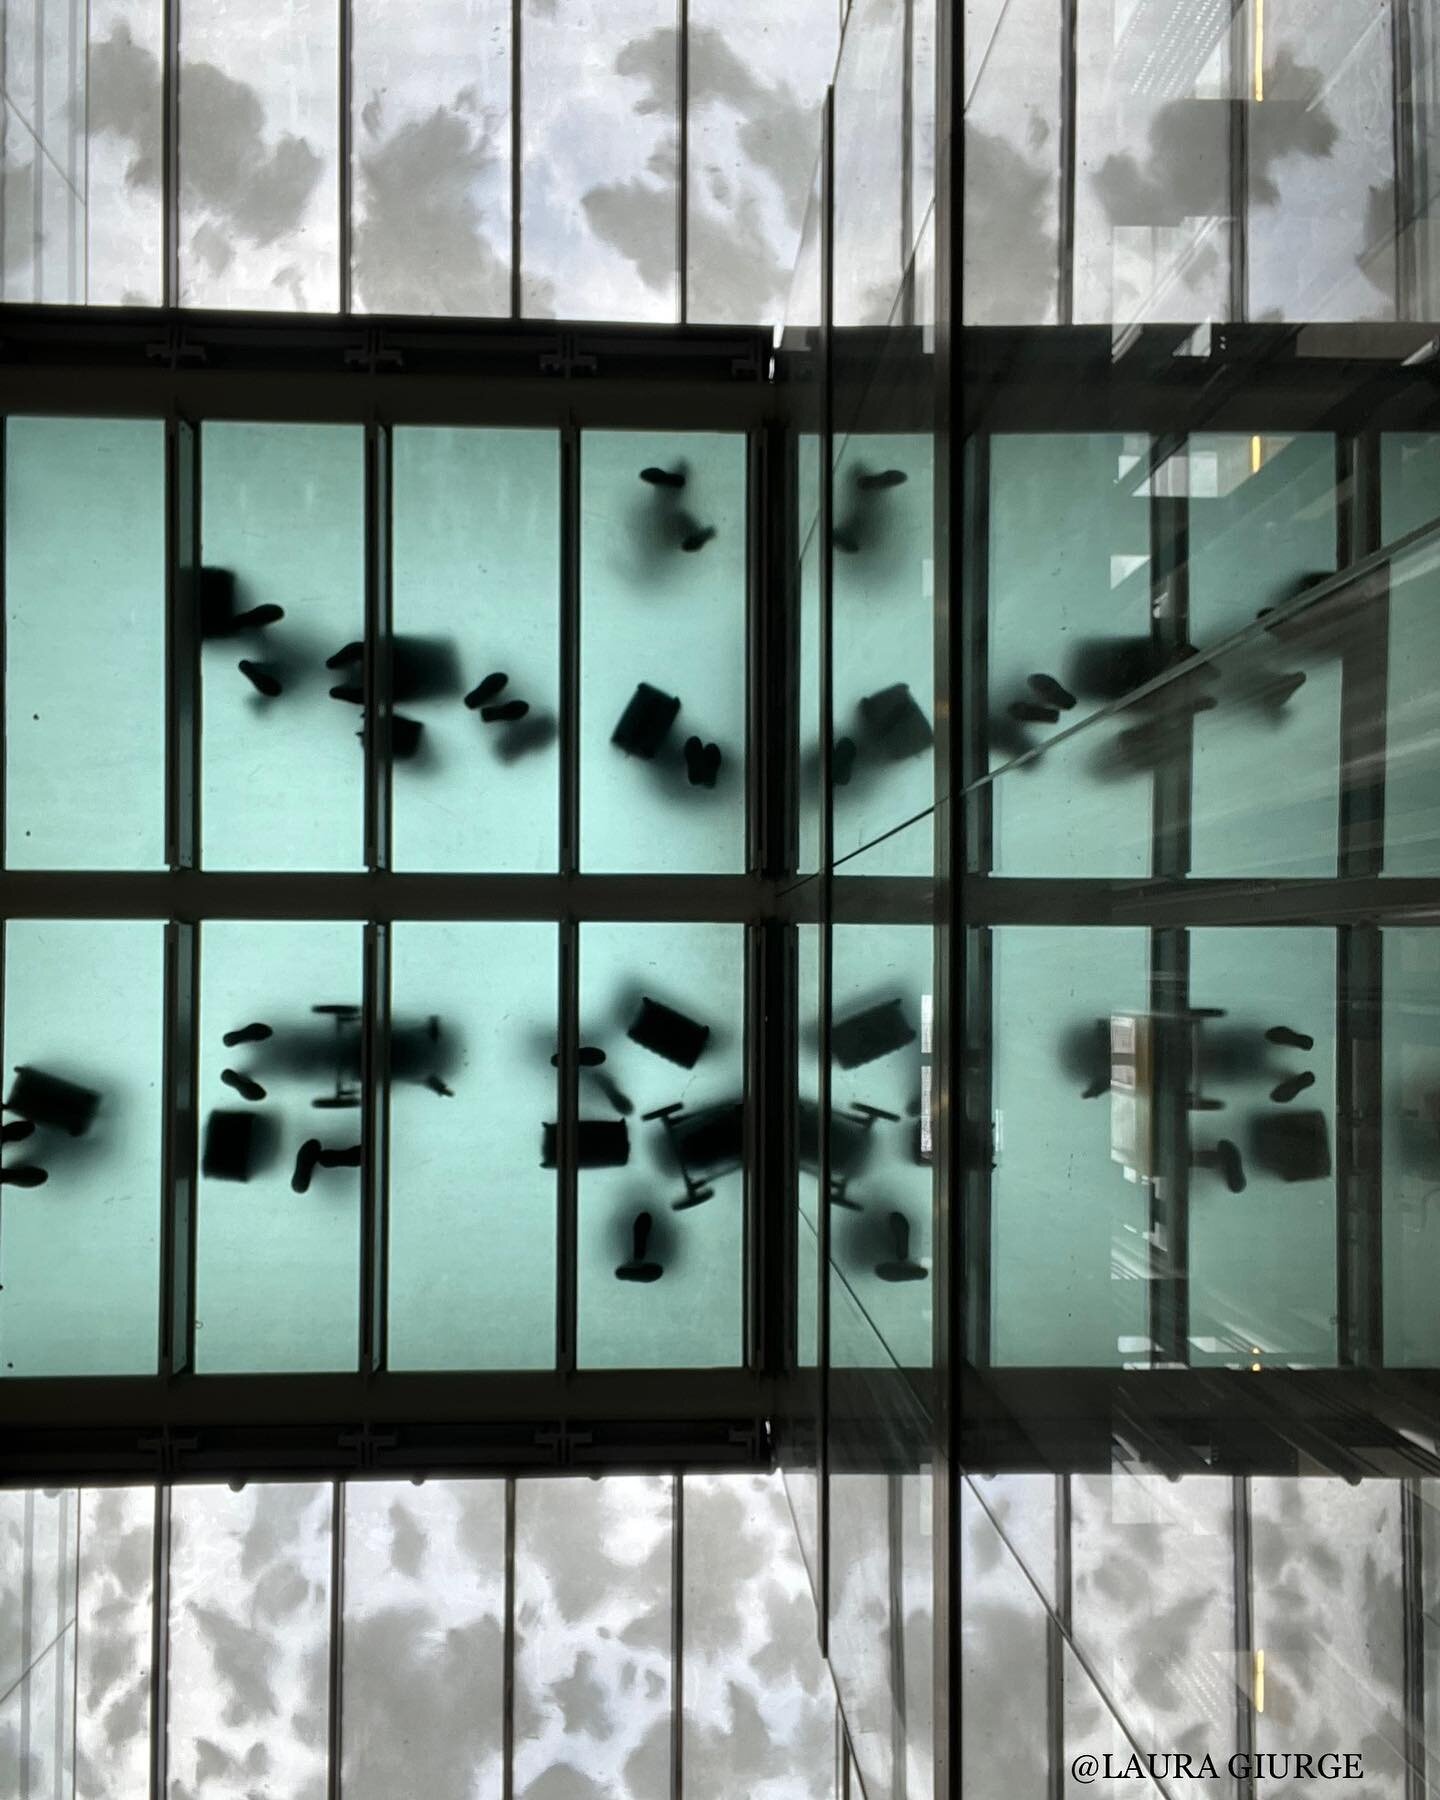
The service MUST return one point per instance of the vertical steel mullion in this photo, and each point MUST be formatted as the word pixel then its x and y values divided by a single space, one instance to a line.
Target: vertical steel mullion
pixel 682 196
pixel 176 1324
pixel 827 855
pixel 1069 89
pixel 170 157
pixel 183 700
pixel 345 149
pixel 517 146
pixel 377 663
pixel 507 1717
pixel 335 1645
pixel 4 603
pixel 756 1117
pixel 1169 979
pixel 75 1673
pixel 567 1111
pixel 1244 1604
pixel 37 198
pixel 677 1637
pixel 375 1156
pixel 899 1710
pixel 1412 1601
pixel 1058 1626
pixel 160 1644
pixel 905 282
pixel 27 1638
pixel 1238 46
pixel 1403 114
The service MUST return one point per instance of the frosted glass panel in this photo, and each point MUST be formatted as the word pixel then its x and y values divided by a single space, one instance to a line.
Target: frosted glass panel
pixel 1071 1259
pixel 278 1262
pixel 283 531
pixel 756 81
pixel 662 779
pixel 424 1633
pixel 600 229
pixel 123 156
pixel 476 577
pixel 259 182
pixel 472 1212
pixel 112 1671
pixel 870 155
pixel 1262 525
pixel 249 1628
pixel 593 1647
pixel 81 1244
pixel 85 643
pixel 1410 1145
pixel 662 1197
pixel 1069 630
pixel 37 1612
pixel 1410 483
pixel 430 91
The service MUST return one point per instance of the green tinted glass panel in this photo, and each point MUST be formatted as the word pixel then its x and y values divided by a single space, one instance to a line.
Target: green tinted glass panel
pixel 1069 604
pixel 85 643
pixel 476 574
pixel 1266 782
pixel 1410 1146
pixel 665 1004
pixel 1071 1259
pixel 278 1262
pixel 1262 1262
pixel 810 724
pixel 1410 483
pixel 807 1147
pixel 662 652
pixel 80 1253
pixel 883 647
pixel 472 1211
pixel 283 527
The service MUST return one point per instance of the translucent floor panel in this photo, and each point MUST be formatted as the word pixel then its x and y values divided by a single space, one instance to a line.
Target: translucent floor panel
pixel 249 1631
pixel 600 217
pixel 1320 245
pixel 123 220
pixel 424 1636
pixel 665 1004
pixel 1069 630
pixel 430 93
pixel 915 1516
pixel 662 652
pixel 759 1714
pixel 84 1006
pixel 870 151
pixel 1010 274
pixel 811 726
pixel 1329 1617
pixel 259 171
pixel 882 1182
pixel 593 1644
pixel 1266 780
pixel 1262 1262
pixel 1020 1520
pixel 1092 1723
pixel 112 1720
pixel 283 526
pixel 1410 466
pixel 1071 1260
pixel 883 647
pixel 278 1264
pixel 1410 1145
pixel 472 1225
pixel 476 577
pixel 85 643
pixel 37 1713
pixel 1152 1606
pixel 861 1627
pixel 1152 197
pixel 808 1140
pixel 757 78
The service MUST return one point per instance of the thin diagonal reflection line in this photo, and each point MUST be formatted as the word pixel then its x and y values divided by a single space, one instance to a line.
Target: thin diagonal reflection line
pixel 40 144
pixel 26 1673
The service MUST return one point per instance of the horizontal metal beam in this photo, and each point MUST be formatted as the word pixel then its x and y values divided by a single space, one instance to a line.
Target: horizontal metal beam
pixel 1369 899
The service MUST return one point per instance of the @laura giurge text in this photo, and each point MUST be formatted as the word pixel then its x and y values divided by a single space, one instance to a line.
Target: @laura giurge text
pixel 1267 1765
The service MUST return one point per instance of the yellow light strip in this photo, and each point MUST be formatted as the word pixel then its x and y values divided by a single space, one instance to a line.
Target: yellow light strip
pixel 1256 455
pixel 1259 49
pixel 1259 1681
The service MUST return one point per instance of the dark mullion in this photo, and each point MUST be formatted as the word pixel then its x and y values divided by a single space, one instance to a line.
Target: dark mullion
pixel 170 156
pixel 1412 1600
pixel 1069 85
pixel 569 650
pixel 826 858
pixel 507 1716
pixel 907 164
pixel 899 1725
pixel 178 1163
pixel 682 196
pixel 567 1184
pixel 182 645
pixel 1169 979
pixel 677 1637
pixel 375 1158
pixel 160 1644
pixel 1239 161
pixel 4 616
pixel 379 706
pixel 335 1644
pixel 346 152
pixel 1059 1623
pixel 1244 1632
pixel 517 145
pixel 27 1638
pixel 1407 295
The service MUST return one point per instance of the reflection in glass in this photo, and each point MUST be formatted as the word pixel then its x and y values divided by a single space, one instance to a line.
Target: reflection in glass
pixel 248 1630
pixel 1003 1633
pixel 430 92
pixel 123 113
pixel 259 194
pixel 37 1664
pixel 870 153
pixel 807 490
pixel 1409 470
pixel 472 1212
pixel 278 1257
pixel 601 144
pixel 663 584
pixel 83 1021
pixel 424 1634
pixel 282 596
pixel 113 1646
pixel 1410 1143
pixel 476 578
pixel 661 1136
pixel 593 1646
pixel 85 643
